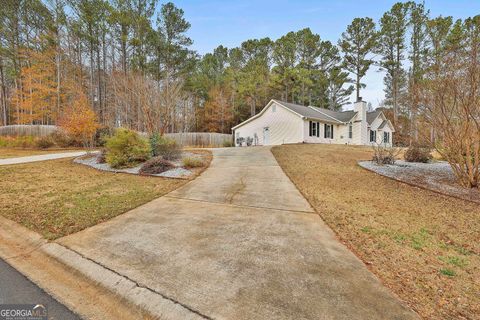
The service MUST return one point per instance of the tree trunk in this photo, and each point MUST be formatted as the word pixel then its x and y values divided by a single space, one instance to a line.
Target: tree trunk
pixel 3 94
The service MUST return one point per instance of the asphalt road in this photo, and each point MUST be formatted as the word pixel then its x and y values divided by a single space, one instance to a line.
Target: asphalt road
pixel 15 288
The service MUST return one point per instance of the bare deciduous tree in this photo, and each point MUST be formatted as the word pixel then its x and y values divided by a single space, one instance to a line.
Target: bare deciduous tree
pixel 451 96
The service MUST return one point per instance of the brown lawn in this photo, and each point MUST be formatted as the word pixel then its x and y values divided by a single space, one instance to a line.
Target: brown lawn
pixel 422 245
pixel 58 197
pixel 17 152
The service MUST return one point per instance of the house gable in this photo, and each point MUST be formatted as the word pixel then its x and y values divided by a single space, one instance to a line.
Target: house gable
pixel 263 111
pixel 275 124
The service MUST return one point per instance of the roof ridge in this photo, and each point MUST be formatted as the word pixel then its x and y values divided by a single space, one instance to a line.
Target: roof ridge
pixel 315 108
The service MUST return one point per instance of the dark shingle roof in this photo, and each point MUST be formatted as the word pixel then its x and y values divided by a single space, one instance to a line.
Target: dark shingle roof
pixel 343 116
pixel 326 114
pixel 306 111
pixel 371 116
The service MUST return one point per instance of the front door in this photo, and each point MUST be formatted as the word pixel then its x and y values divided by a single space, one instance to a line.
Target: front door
pixel 266 136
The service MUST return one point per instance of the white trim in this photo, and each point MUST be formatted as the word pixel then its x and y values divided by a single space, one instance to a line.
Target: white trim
pixel 390 125
pixel 263 111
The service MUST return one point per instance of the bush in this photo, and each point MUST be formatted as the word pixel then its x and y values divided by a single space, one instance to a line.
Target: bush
pixel 5 142
pixel 44 142
pixel 102 156
pixel 227 143
pixel 383 154
pixel 125 149
pixel 192 162
pixel 418 154
pixel 18 142
pixel 63 140
pixel 101 136
pixel 164 147
pixel 156 165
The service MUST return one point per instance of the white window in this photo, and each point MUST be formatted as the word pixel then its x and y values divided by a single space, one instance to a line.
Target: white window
pixel 386 137
pixel 314 129
pixel 373 136
pixel 328 132
pixel 350 130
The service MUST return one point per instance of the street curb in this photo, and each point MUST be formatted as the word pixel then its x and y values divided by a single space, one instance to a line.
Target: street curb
pixel 84 286
pixel 152 302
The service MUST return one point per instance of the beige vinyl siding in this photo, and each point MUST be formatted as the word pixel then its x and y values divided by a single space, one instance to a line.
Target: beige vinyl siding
pixel 374 126
pixel 284 126
pixel 360 134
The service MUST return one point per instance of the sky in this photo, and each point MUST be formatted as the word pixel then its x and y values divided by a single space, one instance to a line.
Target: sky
pixel 229 23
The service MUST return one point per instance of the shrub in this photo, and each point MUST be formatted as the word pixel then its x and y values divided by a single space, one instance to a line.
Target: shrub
pixel 18 142
pixel 44 142
pixel 383 154
pixel 63 140
pixel 190 162
pixel 101 136
pixel 125 149
pixel 417 154
pixel 5 142
pixel 21 142
pixel 156 165
pixel 227 143
pixel 102 156
pixel 164 147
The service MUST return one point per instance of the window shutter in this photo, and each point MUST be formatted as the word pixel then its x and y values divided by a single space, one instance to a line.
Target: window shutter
pixel 318 129
pixel 310 128
pixel 325 130
pixel 331 133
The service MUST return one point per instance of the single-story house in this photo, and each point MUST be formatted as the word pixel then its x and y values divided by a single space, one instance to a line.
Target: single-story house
pixel 282 122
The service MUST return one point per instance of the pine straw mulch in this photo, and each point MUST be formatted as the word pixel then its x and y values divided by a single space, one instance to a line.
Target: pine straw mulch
pixel 422 245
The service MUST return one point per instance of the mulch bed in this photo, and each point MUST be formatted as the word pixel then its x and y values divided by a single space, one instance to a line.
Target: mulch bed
pixel 178 172
pixel 435 176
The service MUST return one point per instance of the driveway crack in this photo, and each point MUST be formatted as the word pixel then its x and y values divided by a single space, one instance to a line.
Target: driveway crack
pixel 139 285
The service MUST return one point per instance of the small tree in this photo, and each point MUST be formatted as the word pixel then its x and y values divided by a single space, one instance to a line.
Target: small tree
pixel 452 100
pixel 79 121
pixel 384 154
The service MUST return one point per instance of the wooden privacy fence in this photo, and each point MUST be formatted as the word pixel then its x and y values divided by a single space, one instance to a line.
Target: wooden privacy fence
pixel 200 139
pixel 27 130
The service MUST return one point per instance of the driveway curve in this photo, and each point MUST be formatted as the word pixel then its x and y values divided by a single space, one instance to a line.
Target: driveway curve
pixel 41 157
pixel 240 242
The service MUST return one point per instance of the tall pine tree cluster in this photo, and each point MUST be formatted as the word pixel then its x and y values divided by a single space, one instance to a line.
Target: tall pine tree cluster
pixel 134 62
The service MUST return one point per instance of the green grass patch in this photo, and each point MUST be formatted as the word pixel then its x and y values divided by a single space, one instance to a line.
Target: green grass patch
pixel 447 272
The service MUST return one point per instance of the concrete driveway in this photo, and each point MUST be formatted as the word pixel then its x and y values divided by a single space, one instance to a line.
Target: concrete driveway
pixel 239 242
pixel 41 157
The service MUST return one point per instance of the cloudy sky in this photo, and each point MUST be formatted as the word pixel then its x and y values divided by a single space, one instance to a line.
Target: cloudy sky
pixel 229 23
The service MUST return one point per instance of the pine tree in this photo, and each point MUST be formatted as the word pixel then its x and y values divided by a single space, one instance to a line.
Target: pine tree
pixel 391 46
pixel 357 43
pixel 418 61
pixel 308 52
pixel 338 94
pixel 284 57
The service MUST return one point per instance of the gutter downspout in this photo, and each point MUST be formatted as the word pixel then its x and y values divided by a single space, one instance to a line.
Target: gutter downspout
pixel 303 129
